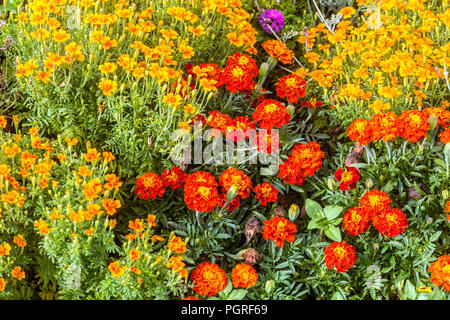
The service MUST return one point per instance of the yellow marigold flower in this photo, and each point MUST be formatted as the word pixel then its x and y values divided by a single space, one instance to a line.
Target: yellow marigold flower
pixel 171 99
pixel 189 108
pixel 347 12
pixel 107 67
pixel 89 231
pixel 3 283
pixel 3 122
pixel 377 106
pixel 5 249
pixel 60 35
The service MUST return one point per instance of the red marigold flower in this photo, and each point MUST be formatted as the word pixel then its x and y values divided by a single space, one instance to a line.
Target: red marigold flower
pixel 340 255
pixel 173 177
pixel 356 220
pixel 442 114
pixel 239 73
pixel 191 298
pixel 413 125
pixel 200 191
pixel 271 113
pixel 278 50
pixel 209 279
pixel 244 276
pixel 447 206
pixel 245 61
pixel 375 201
pixel 265 193
pixel 233 176
pixel 384 126
pixel 240 128
pixel 292 87
pixel 360 130
pixel 219 120
pixel 149 186
pixel 177 245
pixel 390 222
pixel 312 103
pixel 347 178
pixel 440 272
pixel 208 71
pixel 278 230
pixel 445 136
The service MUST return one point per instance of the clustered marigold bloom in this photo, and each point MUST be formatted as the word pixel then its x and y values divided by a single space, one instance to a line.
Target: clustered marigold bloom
pixel 375 207
pixel 271 113
pixel 233 176
pixel 411 125
pixel 265 193
pixel 173 178
pixel 209 279
pixel 279 229
pixel 304 160
pixel 234 129
pixel 149 186
pixel 292 87
pixel 116 269
pixel 340 255
pixel 440 272
pixel 278 50
pixel 347 177
pixel 244 276
pixel 200 191
pixel 239 73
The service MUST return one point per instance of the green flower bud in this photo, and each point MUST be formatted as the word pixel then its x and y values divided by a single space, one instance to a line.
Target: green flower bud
pixel 232 192
pixel 331 183
pixel 369 183
pixel 270 285
pixel 290 109
pixel 433 120
pixel 445 194
pixel 263 70
pixel 293 213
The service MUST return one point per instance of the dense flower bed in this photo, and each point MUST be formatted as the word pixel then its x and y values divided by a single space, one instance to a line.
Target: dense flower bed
pixel 215 149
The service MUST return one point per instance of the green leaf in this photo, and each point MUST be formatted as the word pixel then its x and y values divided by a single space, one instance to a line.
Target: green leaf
pixel 333 233
pixel 410 291
pixel 332 212
pixel 313 224
pixel 313 209
pixel 337 296
pixel 228 288
pixel 237 294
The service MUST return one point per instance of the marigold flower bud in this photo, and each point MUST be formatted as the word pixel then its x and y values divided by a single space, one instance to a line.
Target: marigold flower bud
pixel 294 211
pixel 270 285
pixel 232 192
pixel 369 183
pixel 263 68
pixel 290 109
pixel 445 194
pixel 331 183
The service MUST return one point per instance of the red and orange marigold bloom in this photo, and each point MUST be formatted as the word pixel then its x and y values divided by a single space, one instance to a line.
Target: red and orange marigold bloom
pixel 340 255
pixel 244 276
pixel 445 136
pixel 360 130
pixel 356 220
pixel 149 186
pixel 440 272
pixel 116 269
pixel 2 284
pixel 18 273
pixel 177 245
pixel 292 87
pixel 173 178
pixel 413 125
pixel 347 177
pixel 390 222
pixel 200 191
pixel 375 201
pixel 209 279
pixel 271 113
pixel 233 176
pixel 239 73
pixel 265 193
pixel 278 50
pixel 191 298
pixel 384 126
pixel 279 229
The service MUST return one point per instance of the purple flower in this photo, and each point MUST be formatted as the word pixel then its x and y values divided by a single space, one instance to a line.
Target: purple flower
pixel 271 18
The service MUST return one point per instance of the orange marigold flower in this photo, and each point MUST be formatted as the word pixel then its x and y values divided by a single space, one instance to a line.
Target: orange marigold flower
pixel 20 241
pixel 244 276
pixel 384 126
pixel 356 220
pixel 173 177
pixel 42 226
pixel 440 272
pixel 233 176
pixel 279 229
pixel 445 136
pixel 413 125
pixel 92 155
pixel 149 186
pixel 116 269
pixel 177 245
pixel 111 206
pixel 89 232
pixel 151 218
pixel 278 50
pixel 239 73
pixel 108 156
pixel 265 193
pixel 135 254
pixel 375 201
pixel 187 298
pixel 200 191
pixel 157 238
pixel 347 178
pixel 5 249
pixel 3 122
pixel 447 206
pixel 360 130
pixel 219 121
pixel 113 182
pixel 3 285
pixel 292 87
pixel 340 255
pixel 390 222
pixel 108 86
pixel 271 113
pixel 176 263
pixel 92 188
pixel 442 115
pixel 209 279
pixel 18 273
